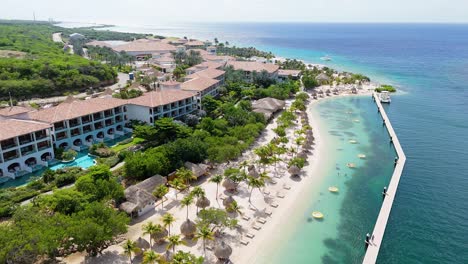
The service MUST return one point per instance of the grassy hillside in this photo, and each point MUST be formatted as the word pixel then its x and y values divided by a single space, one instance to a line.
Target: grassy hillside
pixel 44 69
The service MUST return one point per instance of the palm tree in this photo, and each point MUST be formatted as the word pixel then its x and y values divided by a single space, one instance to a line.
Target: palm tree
pixel 187 201
pixel 130 247
pixel 234 207
pixel 198 192
pixel 217 179
pixel 160 192
pixel 205 233
pixel 150 229
pixel 151 257
pixel 185 175
pixel 254 183
pixel 174 241
pixel 168 220
pixel 178 185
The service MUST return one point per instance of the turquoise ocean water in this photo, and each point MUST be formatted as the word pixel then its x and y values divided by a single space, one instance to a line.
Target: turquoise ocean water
pixel 429 219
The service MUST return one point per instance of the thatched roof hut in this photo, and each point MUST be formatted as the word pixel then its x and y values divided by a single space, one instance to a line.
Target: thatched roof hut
pixel 203 202
pixel 197 169
pixel 223 251
pixel 322 77
pixel 267 106
pixel 294 170
pixel 354 90
pixel 302 155
pixel 188 228
pixel 228 201
pixel 229 185
pixel 335 91
pixel 139 196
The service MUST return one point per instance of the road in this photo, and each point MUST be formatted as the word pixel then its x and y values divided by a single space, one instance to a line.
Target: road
pixel 57 37
pixel 122 79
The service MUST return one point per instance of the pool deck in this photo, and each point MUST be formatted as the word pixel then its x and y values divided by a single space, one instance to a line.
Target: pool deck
pixel 381 223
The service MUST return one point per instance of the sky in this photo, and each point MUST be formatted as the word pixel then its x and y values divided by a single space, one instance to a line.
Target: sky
pixel 153 12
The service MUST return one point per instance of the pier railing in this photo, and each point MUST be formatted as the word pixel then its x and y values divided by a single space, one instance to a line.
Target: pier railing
pixel 381 223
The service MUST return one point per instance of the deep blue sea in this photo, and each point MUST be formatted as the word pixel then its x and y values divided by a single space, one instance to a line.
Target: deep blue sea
pixel 429 62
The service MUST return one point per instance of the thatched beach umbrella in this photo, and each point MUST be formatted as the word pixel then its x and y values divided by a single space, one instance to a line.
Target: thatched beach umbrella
pixel 302 155
pixel 142 244
pixel 252 171
pixel 354 90
pixel 328 91
pixel 228 201
pixel 314 95
pixel 167 256
pixel 229 185
pixel 294 170
pixel 223 251
pixel 335 91
pixel 160 236
pixel 188 228
pixel 203 202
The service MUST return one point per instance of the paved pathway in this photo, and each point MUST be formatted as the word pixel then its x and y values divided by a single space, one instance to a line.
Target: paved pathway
pixel 57 37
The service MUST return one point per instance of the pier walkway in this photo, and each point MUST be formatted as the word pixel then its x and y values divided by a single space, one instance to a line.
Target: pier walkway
pixel 379 229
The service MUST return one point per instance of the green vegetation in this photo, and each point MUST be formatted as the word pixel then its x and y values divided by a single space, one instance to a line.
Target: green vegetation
pixel 69 155
pixel 293 64
pixel 92 33
pixel 106 54
pixel 52 225
pixel 46 69
pixel 128 94
pixel 242 52
pixel 385 87
pixel 127 144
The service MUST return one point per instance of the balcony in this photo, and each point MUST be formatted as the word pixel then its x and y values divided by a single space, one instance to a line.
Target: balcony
pixel 97 116
pixel 108 113
pixel 61 136
pixel 8 144
pixel 74 122
pixel 10 155
pixel 59 126
pixel 75 132
pixel 87 129
pixel 86 119
pixel 25 139
pixel 27 150
pixel 43 145
pixel 98 125
pixel 117 110
pixel 109 122
pixel 40 135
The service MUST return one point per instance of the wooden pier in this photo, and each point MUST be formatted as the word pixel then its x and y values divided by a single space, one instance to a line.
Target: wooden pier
pixel 379 229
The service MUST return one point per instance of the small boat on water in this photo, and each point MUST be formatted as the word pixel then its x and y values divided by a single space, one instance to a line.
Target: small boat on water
pixel 385 97
pixel 361 156
pixel 317 215
pixel 326 58
pixel 351 165
pixel 356 121
pixel 352 141
pixel 333 189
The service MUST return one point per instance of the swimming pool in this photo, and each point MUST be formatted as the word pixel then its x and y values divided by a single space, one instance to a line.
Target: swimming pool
pixel 83 160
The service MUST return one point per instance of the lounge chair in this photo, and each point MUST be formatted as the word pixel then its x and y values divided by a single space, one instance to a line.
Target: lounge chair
pixel 250 235
pixel 280 195
pixel 266 192
pixel 256 227
pixel 246 218
pixel 244 242
pixel 274 205
pixel 268 212
pixel 209 247
pixel 287 187
pixel 261 220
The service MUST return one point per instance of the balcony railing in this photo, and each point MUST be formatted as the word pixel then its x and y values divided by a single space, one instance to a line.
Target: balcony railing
pixel 11 157
pixel 9 146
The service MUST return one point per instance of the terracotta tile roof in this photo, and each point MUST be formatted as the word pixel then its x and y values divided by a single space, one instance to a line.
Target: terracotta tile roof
pixel 207 73
pixel 195 43
pixel 251 66
pixel 289 72
pixel 145 45
pixel 99 44
pixel 198 84
pixel 170 83
pixel 210 57
pixel 160 97
pixel 15 110
pixel 73 109
pixel 13 127
pixel 211 64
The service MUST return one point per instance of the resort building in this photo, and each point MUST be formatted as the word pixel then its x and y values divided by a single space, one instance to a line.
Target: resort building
pixel 168 101
pixel 202 86
pixel 25 146
pixel 80 123
pixel 218 58
pixel 195 44
pixel 165 61
pixel 283 75
pixel 203 66
pixel 210 73
pixel 249 67
pixel 143 48
pixel 211 50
